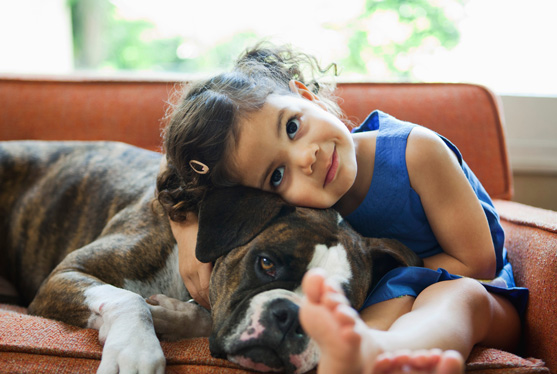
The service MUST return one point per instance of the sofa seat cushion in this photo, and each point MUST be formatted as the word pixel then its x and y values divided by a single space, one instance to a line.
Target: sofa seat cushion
pixel 484 360
pixel 30 344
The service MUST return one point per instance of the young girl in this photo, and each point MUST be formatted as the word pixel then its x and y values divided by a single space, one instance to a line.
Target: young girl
pixel 262 125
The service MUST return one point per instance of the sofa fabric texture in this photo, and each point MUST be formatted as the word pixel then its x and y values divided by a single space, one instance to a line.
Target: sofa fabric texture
pixel 133 111
pixel 30 344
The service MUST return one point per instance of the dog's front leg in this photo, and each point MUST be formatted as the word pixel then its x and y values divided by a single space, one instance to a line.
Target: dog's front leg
pixel 126 329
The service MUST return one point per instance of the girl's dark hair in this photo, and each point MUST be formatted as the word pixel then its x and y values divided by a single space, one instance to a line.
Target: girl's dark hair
pixel 203 125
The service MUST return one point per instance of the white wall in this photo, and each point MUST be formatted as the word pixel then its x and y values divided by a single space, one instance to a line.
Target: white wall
pixel 531 130
pixel 531 127
pixel 35 37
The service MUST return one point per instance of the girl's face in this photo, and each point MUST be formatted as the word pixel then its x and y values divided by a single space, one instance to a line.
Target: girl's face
pixel 295 148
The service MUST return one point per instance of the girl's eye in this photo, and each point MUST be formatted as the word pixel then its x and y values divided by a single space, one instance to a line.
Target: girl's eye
pixel 276 178
pixel 267 266
pixel 292 127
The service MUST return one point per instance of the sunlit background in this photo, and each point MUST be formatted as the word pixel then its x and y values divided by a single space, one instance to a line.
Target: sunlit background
pixel 508 45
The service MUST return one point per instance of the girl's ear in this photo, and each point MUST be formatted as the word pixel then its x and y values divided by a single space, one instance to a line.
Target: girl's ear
pixel 299 88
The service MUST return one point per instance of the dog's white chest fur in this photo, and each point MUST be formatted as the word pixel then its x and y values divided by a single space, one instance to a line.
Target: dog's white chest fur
pixel 166 281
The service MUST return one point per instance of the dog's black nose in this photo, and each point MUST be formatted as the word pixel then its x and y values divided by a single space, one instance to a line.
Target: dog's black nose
pixel 284 315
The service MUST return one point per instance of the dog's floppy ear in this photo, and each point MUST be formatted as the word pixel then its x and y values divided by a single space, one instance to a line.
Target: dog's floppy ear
pixel 388 254
pixel 231 217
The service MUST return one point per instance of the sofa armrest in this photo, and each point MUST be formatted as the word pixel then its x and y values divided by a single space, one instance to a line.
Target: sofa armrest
pixel 531 240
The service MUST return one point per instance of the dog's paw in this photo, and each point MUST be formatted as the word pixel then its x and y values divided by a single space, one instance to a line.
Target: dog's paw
pixel 174 319
pixel 130 347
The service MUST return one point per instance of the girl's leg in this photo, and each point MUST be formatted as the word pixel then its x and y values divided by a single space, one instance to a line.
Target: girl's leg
pixel 346 348
pixel 382 315
pixel 452 315
pixel 457 315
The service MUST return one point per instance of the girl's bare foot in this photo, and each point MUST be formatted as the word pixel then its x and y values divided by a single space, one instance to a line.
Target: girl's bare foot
pixel 327 317
pixel 349 346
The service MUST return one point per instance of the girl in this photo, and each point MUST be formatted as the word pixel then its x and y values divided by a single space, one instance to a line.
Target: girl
pixel 262 125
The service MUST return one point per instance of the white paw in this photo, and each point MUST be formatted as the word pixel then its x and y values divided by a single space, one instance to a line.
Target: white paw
pixel 126 329
pixel 174 319
pixel 132 351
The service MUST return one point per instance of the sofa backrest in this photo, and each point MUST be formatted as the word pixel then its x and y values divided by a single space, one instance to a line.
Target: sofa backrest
pixel 132 111
pixel 468 115
pixel 89 109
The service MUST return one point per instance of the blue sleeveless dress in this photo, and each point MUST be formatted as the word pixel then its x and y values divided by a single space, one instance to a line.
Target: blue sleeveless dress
pixel 392 209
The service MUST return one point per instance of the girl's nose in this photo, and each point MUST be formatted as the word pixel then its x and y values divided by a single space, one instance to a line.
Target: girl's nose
pixel 305 157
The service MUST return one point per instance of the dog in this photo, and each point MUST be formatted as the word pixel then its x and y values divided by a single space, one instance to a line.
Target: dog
pixel 84 243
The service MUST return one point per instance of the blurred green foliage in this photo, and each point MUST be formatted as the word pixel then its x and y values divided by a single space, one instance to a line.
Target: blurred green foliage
pixel 390 33
pixel 395 30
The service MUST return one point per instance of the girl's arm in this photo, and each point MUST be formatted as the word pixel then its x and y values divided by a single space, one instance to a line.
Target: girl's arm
pixel 451 206
pixel 195 274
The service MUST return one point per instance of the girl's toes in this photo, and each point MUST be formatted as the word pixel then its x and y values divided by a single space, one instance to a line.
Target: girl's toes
pixel 332 299
pixel 451 362
pixel 345 315
pixel 313 285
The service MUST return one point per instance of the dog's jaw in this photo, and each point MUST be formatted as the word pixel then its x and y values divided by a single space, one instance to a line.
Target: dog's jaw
pixel 258 344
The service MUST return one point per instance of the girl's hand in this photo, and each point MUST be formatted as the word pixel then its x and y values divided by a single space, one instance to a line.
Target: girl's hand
pixel 195 274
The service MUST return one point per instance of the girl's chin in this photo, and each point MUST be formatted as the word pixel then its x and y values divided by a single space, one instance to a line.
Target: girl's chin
pixel 312 203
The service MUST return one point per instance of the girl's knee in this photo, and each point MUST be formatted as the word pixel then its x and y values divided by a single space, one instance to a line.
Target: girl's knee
pixel 468 286
pixel 496 320
pixel 473 293
pixel 464 293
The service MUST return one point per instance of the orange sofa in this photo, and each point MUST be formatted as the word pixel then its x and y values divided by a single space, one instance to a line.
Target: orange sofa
pixel 132 111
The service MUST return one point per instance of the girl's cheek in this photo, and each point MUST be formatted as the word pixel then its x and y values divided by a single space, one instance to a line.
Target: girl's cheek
pixel 310 199
pixel 290 198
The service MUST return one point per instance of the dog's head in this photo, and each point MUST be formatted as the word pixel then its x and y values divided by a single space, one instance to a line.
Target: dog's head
pixel 262 247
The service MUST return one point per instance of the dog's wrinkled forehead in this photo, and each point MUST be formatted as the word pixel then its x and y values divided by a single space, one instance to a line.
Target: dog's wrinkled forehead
pixel 282 252
pixel 232 217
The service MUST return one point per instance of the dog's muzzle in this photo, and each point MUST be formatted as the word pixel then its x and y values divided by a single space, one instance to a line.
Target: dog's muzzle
pixel 269 337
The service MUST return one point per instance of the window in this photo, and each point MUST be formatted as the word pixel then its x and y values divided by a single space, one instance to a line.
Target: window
pixel 504 44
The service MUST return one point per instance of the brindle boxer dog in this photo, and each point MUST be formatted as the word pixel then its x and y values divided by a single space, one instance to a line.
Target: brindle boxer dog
pixel 83 242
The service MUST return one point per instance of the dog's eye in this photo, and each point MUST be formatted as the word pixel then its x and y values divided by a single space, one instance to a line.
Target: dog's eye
pixel 268 266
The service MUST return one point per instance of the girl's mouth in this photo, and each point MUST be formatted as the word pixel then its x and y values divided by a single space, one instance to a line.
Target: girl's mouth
pixel 332 171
